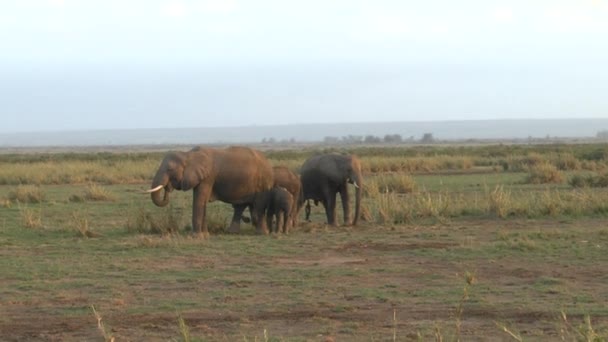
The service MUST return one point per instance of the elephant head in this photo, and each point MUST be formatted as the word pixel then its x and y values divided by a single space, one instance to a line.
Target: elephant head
pixel 178 170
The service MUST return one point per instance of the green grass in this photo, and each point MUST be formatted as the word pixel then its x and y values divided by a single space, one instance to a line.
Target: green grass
pixel 451 252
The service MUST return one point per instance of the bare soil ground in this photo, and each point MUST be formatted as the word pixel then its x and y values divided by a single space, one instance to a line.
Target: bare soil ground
pixel 462 280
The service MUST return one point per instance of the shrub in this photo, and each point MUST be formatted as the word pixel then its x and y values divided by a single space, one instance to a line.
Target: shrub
pixel 601 181
pixel 544 173
pixel 567 161
pixel 578 181
pixel 597 181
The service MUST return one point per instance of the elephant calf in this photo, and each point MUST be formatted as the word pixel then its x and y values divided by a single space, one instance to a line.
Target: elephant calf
pixel 277 203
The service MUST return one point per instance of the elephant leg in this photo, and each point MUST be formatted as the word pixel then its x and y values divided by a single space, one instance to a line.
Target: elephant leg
pixel 286 221
pixel 261 225
pixel 307 211
pixel 345 204
pixel 332 199
pixel 235 225
pixel 294 215
pixel 254 219
pixel 200 198
pixel 330 207
pixel 269 215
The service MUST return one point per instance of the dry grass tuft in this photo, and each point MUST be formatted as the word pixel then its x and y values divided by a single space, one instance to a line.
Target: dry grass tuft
pixel 27 194
pixel 93 192
pixel 397 183
pixel 544 173
pixel 164 221
pixel 31 218
pixel 5 203
pixel 107 337
pixel 80 223
pixel 499 202
pixel 594 181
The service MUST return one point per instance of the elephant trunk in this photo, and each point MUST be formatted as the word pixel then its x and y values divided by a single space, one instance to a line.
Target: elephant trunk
pixel 358 182
pixel 160 183
pixel 357 203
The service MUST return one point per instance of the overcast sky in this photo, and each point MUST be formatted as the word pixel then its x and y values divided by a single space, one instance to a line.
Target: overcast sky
pixel 74 64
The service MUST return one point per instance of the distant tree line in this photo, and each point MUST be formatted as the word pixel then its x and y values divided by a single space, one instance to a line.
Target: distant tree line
pixel 427 138
pixel 275 141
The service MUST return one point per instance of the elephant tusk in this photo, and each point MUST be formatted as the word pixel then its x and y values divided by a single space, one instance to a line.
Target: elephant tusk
pixel 355 184
pixel 153 190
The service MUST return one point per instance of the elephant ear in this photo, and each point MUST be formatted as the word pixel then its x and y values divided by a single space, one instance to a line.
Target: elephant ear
pixel 197 167
pixel 334 167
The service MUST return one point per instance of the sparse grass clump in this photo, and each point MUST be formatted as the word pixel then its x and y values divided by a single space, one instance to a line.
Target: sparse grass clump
pixel 164 221
pixel 95 192
pixel 544 173
pixel 390 209
pixel 27 194
pixel 30 218
pixel 499 202
pixel 5 203
pixel 80 224
pixel 398 183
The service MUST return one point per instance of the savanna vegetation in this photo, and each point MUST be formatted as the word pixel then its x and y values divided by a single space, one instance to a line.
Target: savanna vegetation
pixel 500 242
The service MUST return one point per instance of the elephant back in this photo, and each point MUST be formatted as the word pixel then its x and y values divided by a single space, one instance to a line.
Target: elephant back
pixel 241 172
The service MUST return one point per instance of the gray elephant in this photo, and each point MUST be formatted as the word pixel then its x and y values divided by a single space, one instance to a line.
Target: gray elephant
pixel 278 203
pixel 233 175
pixel 323 176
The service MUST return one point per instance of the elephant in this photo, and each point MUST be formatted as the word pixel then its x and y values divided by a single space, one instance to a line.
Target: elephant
pixel 283 177
pixel 287 179
pixel 277 203
pixel 325 175
pixel 233 175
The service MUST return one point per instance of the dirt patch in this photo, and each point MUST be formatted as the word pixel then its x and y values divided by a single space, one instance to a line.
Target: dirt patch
pixel 394 246
pixel 327 261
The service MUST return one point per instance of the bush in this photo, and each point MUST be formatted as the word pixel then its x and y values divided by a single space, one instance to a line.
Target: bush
pixel 596 181
pixel 567 161
pixel 544 173
pixel 578 181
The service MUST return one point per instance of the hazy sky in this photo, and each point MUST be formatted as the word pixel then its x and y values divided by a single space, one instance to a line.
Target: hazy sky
pixel 75 64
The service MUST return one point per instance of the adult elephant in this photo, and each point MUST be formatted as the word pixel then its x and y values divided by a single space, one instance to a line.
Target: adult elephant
pixel 232 175
pixel 323 176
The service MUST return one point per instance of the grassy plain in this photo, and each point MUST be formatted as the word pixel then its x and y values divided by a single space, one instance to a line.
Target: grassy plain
pixel 457 243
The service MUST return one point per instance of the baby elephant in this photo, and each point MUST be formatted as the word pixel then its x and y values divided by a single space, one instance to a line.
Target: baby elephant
pixel 278 204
